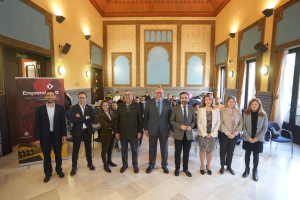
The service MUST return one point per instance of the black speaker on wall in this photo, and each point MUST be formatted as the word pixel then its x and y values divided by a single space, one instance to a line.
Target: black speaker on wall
pixel 260 48
pixel 66 48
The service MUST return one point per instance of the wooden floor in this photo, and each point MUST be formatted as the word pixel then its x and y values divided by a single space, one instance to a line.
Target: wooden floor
pixel 278 178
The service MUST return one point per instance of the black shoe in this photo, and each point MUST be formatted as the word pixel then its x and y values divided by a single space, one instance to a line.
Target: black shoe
pixel 188 173
pixel 246 173
pixel 255 176
pixel 176 173
pixel 61 175
pixel 91 166
pixel 166 170
pixel 149 169
pixel 231 171
pixel 222 170
pixel 47 179
pixel 106 168
pixel 111 164
pixel 73 171
pixel 208 171
pixel 202 171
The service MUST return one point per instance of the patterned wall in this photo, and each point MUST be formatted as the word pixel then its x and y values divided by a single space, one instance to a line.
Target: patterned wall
pixel 140 91
pixel 121 38
pixel 230 92
pixel 195 38
pixel 266 99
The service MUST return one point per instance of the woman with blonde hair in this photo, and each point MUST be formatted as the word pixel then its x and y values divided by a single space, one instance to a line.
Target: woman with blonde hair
pixel 254 129
pixel 208 121
pixel 230 127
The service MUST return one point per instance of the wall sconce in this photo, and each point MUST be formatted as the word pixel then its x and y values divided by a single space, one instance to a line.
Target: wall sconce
pixel 87 73
pixel 232 35
pixel 230 62
pixel 61 70
pixel 264 70
pixel 231 74
pixel 268 12
pixel 60 18
pixel 87 37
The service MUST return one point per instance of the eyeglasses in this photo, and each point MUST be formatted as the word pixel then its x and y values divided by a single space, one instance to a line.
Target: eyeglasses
pixel 159 93
pixel 81 97
pixel 127 95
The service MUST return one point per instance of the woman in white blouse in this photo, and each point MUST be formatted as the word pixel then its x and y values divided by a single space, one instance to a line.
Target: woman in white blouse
pixel 208 121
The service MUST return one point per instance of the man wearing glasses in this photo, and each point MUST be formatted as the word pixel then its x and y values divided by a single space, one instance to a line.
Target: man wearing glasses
pixel 82 118
pixel 157 126
pixel 128 128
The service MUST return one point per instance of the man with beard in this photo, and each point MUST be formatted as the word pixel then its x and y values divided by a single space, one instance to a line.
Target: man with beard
pixel 183 119
pixel 50 130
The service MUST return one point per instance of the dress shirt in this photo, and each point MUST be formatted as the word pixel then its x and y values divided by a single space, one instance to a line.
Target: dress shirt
pixel 182 108
pixel 116 98
pixel 82 109
pixel 50 112
pixel 159 105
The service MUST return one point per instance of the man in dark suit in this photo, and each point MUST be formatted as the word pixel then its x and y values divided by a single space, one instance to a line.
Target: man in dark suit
pixel 147 97
pixel 82 118
pixel 157 126
pixel 183 119
pixel 50 130
pixel 128 128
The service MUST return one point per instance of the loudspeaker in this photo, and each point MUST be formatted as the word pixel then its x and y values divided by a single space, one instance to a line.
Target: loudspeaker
pixel 260 48
pixel 66 48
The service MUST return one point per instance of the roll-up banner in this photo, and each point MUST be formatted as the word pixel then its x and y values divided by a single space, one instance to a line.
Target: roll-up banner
pixel 31 94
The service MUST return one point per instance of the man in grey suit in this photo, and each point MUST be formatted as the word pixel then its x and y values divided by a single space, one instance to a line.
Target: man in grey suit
pixel 183 119
pixel 128 127
pixel 157 126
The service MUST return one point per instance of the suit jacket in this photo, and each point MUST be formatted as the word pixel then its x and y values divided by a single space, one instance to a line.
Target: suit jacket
pixel 107 126
pixel 128 124
pixel 152 120
pixel 262 126
pixel 78 121
pixel 177 119
pixel 225 117
pixel 202 123
pixel 42 124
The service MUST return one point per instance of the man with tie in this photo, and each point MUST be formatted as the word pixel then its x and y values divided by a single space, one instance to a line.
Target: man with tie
pixel 82 117
pixel 50 130
pixel 183 119
pixel 128 128
pixel 157 126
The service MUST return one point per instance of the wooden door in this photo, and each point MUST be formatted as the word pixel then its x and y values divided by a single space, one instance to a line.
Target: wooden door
pixel 12 68
pixel 97 85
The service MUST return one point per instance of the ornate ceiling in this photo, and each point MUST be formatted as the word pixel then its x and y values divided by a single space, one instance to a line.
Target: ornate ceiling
pixel 159 8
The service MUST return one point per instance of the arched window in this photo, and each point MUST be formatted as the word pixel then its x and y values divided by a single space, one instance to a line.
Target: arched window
pixel 158 66
pixel 152 36
pixel 158 36
pixel 147 36
pixel 164 36
pixel 121 71
pixel 195 70
pixel 169 39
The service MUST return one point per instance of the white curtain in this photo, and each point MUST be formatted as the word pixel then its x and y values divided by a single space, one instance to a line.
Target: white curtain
pixel 281 108
pixel 243 89
pixel 251 85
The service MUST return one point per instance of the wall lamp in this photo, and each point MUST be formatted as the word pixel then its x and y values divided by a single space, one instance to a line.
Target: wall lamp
pixel 264 70
pixel 231 74
pixel 87 73
pixel 87 37
pixel 61 70
pixel 268 12
pixel 232 35
pixel 60 18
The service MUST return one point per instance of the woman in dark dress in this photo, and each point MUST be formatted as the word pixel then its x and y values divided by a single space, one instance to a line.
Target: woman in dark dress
pixel 107 136
pixel 254 129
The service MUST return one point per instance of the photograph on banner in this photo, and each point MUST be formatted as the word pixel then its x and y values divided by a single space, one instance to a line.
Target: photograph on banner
pixel 30 95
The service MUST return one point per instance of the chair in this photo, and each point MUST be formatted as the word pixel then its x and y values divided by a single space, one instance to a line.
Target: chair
pixel 281 138
pixel 96 111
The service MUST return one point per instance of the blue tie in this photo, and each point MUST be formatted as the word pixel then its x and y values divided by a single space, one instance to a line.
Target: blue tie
pixel 184 114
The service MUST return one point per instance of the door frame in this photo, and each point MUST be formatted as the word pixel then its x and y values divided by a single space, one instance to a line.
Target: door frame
pixel 247 80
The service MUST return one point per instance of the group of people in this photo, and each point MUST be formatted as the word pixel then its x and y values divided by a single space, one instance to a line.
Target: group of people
pixel 159 120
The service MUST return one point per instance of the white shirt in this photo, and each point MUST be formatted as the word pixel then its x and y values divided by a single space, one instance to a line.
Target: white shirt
pixel 187 112
pixel 116 98
pixel 82 109
pixel 50 112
